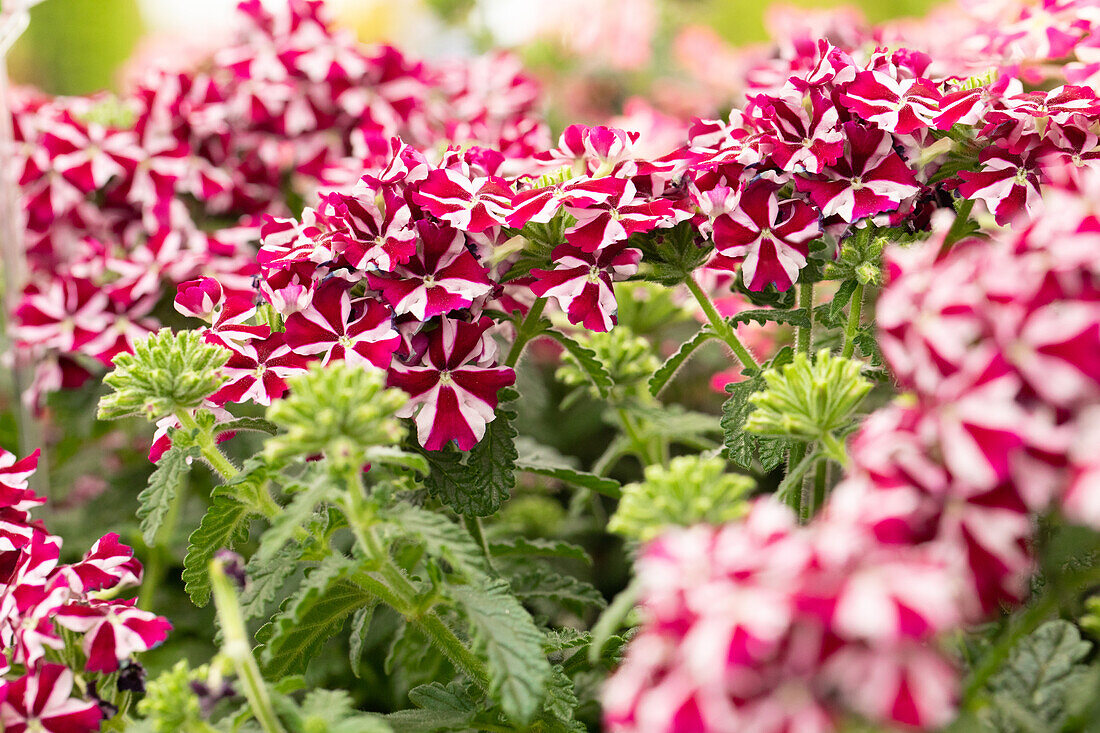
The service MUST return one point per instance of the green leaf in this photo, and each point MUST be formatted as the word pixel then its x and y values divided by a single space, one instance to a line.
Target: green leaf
pixel 437 696
pixel 589 362
pixel 583 479
pixel 253 424
pixel 266 579
pixel 440 537
pixel 506 634
pixel 428 721
pixel 672 364
pixel 478 482
pixel 612 619
pixel 540 582
pixel 155 500
pixel 744 448
pixel 524 547
pixel 842 297
pixel 797 317
pixel 313 614
pixel 225 525
pixel 392 456
pixel 299 512
pixel 360 626
pixel 671 255
pixel 560 706
pixel 1043 679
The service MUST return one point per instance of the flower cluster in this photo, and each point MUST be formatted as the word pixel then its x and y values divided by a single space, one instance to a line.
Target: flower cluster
pixel 52 613
pixel 931 530
pixel 123 199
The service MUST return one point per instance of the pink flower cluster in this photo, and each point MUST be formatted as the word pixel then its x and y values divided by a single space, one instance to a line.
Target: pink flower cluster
pixel 39 597
pixel 125 198
pixel 764 626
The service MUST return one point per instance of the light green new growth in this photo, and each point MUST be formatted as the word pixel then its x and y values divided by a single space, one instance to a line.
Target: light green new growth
pixel 691 490
pixel 860 259
pixel 338 410
pixel 808 400
pixel 629 359
pixel 170 705
pixel 167 373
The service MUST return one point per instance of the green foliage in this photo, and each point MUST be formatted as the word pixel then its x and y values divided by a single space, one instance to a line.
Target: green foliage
pixel 167 373
pixel 691 490
pixel 627 359
pixel 502 628
pixel 669 256
pixel 672 364
pixel 339 411
pixel 170 704
pixel 860 259
pixel 477 482
pixel 583 362
pixel 746 449
pixel 541 583
pixel 155 500
pixel 1044 683
pixel 808 400
pixel 328 711
pixel 440 537
pixel 225 525
pixel 316 612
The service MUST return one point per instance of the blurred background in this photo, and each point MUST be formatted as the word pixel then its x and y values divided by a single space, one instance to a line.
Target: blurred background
pixel 619 48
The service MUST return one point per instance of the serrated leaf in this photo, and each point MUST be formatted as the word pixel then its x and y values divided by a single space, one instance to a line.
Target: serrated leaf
pixel 524 547
pixel 440 537
pixel 745 448
pixel 155 500
pixel 478 482
pixel 225 525
pixel 295 515
pixel 437 696
pixel 565 639
pixel 842 297
pixel 589 362
pixel 599 484
pixel 266 579
pixel 252 424
pixel 506 634
pixel 313 614
pixel 540 582
pixel 672 364
pixel 360 626
pixel 1038 686
pixel 797 317
pixel 560 706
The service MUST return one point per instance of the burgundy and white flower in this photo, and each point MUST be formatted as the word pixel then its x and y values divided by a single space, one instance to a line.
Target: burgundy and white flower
pixel 801 130
pixel 257 369
pixel 452 384
pixel 14 493
pixel 441 277
pixel 1008 182
pixel 336 327
pixel 108 564
pixel 581 282
pixel 622 213
pixel 769 236
pixel 869 178
pixel 200 298
pixel 113 630
pixel 901 106
pixel 595 151
pixel 41 700
pixel 471 205
pixel 374 230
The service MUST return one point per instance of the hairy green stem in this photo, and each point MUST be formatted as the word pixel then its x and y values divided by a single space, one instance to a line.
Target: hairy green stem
pixel 238 649
pixel 525 331
pixel 208 446
pixel 817 499
pixel 721 327
pixel 855 313
pixel 394 588
pixel 802 342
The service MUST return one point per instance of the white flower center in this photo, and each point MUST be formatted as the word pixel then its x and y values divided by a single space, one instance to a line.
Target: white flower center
pixel 593 274
pixel 445 378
